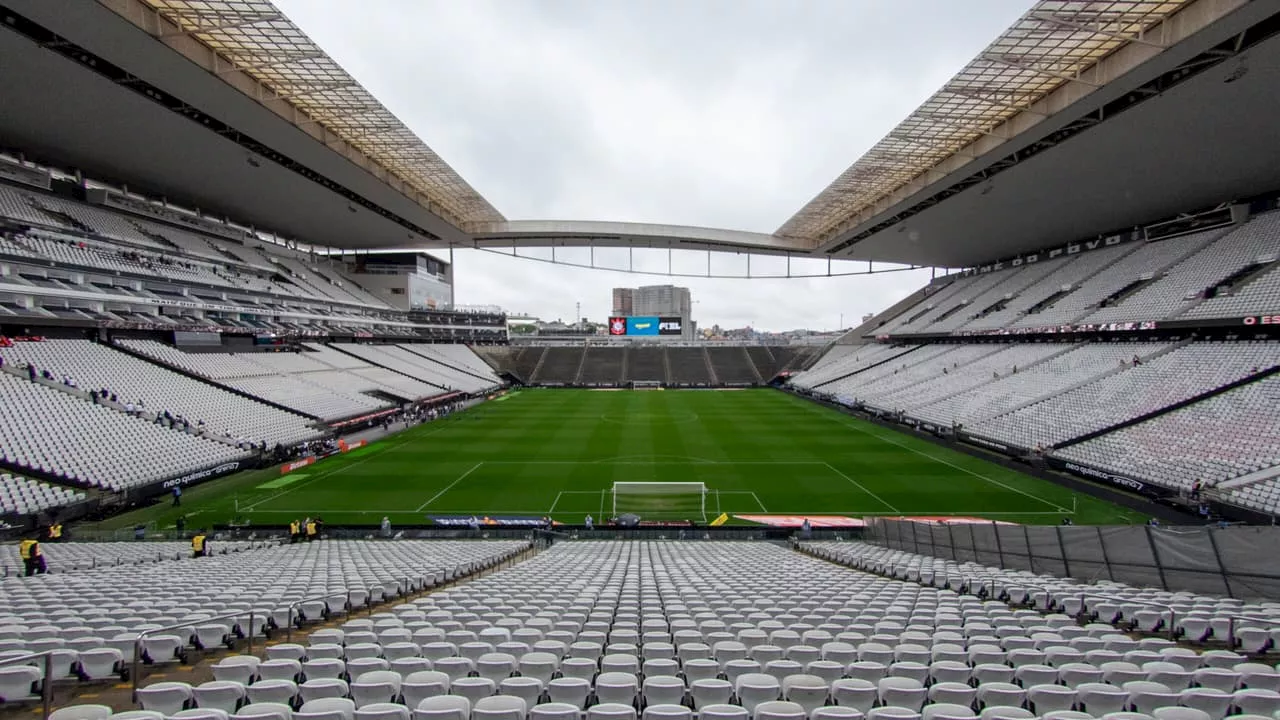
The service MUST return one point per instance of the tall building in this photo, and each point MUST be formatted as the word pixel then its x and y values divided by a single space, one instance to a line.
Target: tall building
pixel 622 301
pixel 662 300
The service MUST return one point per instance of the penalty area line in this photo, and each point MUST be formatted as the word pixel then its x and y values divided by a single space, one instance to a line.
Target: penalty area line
pixel 861 487
pixel 449 487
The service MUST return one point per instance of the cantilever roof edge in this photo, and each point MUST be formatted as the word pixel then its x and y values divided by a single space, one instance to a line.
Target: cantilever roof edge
pixel 1054 44
pixel 550 230
pixel 256 39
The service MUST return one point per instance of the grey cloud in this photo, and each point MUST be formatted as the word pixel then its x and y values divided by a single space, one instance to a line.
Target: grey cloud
pixel 721 113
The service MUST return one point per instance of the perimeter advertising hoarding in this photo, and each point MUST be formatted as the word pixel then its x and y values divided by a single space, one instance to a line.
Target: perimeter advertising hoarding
pixel 617 326
pixel 645 325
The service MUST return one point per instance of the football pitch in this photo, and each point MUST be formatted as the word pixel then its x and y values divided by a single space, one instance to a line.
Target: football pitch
pixel 559 452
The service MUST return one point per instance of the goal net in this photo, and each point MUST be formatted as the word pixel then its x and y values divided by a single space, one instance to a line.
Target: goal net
pixel 661 500
pixel 646 384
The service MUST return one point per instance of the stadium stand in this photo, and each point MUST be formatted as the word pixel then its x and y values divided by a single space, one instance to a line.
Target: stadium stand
pixel 91 618
pixel 716 628
pixel 688 366
pixel 1223 437
pixel 1177 375
pixel 558 366
pixel 733 366
pixel 107 449
pixel 135 381
pixel 603 365
pixel 291 379
pixel 646 364
pixel 525 360
pixel 66 557
pixel 26 496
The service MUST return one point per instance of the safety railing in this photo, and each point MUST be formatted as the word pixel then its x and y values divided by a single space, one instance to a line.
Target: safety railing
pixel 46 684
pixel 1233 623
pixel 288 633
pixel 892 568
pixel 136 665
pixel 1173 624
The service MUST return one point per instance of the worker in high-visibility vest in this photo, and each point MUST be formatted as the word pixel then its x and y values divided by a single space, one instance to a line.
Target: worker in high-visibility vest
pixel 32 557
pixel 199 545
pixel 295 530
pixel 55 532
pixel 311 529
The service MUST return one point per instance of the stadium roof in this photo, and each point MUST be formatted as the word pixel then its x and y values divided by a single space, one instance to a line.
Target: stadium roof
pixel 1056 43
pixel 226 106
pixel 254 37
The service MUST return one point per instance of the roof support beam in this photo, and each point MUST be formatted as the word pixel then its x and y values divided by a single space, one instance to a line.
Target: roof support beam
pixel 1031 67
pixel 284 59
pixel 987 98
pixel 194 22
pixel 1072 24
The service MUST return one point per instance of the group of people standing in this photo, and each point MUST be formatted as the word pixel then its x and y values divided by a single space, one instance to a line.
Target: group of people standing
pixel 305 530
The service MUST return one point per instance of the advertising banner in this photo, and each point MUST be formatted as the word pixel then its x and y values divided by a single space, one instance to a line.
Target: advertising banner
pixel 1123 481
pixel 617 326
pixel 795 521
pixel 642 326
pixel 289 467
pixel 487 520
pixel 670 326
pixel 192 478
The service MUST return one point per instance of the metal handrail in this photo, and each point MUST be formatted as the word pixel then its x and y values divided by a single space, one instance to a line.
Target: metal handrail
pixel 288 633
pixel 46 686
pixel 136 665
pixel 894 566
pixel 1173 625
pixel 1231 625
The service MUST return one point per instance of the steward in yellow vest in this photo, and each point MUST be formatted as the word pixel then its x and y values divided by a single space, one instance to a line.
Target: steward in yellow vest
pixel 55 532
pixel 199 545
pixel 32 557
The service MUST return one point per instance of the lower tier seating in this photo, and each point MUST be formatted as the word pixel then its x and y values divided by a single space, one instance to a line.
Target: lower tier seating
pixel 717 628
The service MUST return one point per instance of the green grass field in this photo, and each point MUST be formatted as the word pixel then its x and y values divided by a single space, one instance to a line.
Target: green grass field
pixel 558 452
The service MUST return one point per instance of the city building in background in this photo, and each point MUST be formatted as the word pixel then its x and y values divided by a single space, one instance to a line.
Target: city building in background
pixel 623 301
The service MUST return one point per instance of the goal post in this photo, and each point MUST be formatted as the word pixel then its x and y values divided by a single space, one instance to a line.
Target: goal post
pixel 661 500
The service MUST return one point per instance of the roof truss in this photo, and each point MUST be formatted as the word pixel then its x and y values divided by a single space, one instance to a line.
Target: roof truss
pixel 255 38
pixel 1055 43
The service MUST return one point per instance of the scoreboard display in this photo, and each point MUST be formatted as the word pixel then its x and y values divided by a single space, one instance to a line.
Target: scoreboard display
pixel 642 326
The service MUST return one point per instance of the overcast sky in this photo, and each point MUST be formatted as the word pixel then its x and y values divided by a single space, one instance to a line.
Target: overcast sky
pixel 717 113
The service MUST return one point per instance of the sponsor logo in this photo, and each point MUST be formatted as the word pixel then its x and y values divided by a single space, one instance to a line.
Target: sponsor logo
pixel 1112 478
pixel 795 521
pixel 296 465
pixel 617 326
pixel 1068 250
pixel 1262 320
pixel 669 326
pixel 194 477
pixel 642 325
pixel 486 520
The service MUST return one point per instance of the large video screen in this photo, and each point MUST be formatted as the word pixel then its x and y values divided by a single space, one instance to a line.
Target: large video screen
pixel 642 326
pixel 645 325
